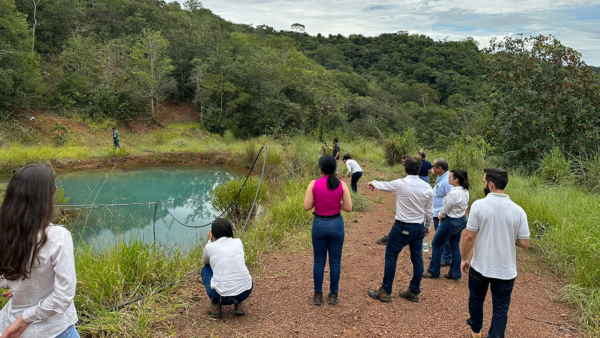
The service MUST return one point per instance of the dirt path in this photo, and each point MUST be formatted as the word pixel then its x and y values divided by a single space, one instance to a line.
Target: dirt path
pixel 281 304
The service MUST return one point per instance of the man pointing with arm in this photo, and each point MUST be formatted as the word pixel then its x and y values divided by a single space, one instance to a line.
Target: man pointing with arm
pixel 414 202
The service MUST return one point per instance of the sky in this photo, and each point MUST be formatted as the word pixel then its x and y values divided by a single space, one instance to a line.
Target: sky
pixel 576 23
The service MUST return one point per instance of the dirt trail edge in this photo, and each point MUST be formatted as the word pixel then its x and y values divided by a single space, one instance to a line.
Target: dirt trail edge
pixel 281 303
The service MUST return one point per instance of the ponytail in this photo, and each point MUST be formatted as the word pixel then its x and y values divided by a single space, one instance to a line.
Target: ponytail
pixel 462 176
pixel 332 182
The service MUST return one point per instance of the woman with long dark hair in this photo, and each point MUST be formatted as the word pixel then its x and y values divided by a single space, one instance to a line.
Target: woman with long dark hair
pixel 36 260
pixel 225 276
pixel 328 196
pixel 452 222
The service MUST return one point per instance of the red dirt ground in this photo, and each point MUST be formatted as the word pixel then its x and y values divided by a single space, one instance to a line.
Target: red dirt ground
pixel 280 305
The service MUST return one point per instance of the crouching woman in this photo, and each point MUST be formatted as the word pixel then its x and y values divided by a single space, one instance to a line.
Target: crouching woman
pixel 225 276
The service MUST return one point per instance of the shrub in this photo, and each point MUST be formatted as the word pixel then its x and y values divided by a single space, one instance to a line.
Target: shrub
pixel 470 153
pixel 224 194
pixel 360 202
pixel 587 170
pixel 555 168
pixel 397 146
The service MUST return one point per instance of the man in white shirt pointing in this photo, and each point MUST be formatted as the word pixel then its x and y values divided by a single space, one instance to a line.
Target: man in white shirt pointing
pixel 414 202
pixel 499 225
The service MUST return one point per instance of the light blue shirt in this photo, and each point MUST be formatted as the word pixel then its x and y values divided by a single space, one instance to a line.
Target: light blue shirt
pixel 441 189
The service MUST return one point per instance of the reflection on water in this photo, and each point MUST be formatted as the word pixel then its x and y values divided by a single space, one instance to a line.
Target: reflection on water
pixel 185 190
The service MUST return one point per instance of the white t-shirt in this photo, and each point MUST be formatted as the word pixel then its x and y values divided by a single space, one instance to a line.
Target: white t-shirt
pixel 499 223
pixel 45 299
pixel 226 258
pixel 353 167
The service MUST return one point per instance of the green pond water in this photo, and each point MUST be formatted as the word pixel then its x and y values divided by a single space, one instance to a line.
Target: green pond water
pixel 185 190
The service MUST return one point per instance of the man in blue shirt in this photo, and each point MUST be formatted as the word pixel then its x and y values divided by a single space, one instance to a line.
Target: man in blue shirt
pixel 441 189
pixel 425 167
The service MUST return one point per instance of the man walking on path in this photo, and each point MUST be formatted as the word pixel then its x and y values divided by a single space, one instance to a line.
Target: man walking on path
pixel 499 225
pixel 116 137
pixel 354 169
pixel 441 189
pixel 414 201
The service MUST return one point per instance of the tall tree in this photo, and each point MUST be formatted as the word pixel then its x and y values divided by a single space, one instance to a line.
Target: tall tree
pixel 152 66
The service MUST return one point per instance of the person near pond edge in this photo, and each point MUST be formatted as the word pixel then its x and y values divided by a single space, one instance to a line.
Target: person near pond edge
pixel 452 221
pixel 327 195
pixel 440 190
pixel 225 276
pixel 414 202
pixel 354 170
pixel 425 167
pixel 37 263
pixel 116 137
pixel 383 240
pixel 499 225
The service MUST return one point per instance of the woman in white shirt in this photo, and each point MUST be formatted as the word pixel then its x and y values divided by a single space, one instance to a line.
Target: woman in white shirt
pixel 36 260
pixel 452 222
pixel 354 170
pixel 225 276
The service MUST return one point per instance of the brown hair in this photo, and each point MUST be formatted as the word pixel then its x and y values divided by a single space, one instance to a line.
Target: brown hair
pixel 25 214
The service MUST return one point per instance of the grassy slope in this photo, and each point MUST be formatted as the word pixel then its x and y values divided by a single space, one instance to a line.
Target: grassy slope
pixel 563 221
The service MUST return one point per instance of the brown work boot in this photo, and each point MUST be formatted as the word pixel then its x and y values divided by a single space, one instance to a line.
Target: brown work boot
pixel 380 294
pixel 215 311
pixel 318 298
pixel 476 335
pixel 408 295
pixel 429 276
pixel 237 309
pixel 332 299
pixel 382 240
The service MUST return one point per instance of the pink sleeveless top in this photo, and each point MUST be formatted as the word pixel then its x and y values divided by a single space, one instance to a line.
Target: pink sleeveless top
pixel 327 202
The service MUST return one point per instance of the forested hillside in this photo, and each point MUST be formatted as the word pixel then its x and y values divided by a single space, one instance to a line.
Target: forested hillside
pixel 123 58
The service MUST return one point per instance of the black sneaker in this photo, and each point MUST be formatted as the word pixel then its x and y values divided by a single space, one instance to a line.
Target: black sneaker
pixel 429 276
pixel 237 309
pixel 408 295
pixel 215 311
pixel 382 240
pixel 332 299
pixel 318 298
pixel 380 294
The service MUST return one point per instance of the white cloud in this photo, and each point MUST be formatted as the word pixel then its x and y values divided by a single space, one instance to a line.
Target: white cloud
pixel 455 19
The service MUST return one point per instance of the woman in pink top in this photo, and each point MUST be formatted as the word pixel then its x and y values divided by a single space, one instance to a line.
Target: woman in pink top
pixel 327 195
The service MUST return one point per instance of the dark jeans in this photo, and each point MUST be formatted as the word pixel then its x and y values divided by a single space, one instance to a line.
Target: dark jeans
pixel 501 291
pixel 449 231
pixel 327 237
pixel 401 235
pixel 355 177
pixel 214 296
pixel 446 249
pixel 116 142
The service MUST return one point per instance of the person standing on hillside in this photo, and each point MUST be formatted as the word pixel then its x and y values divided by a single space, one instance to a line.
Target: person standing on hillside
pixel 335 148
pixel 441 189
pixel 354 170
pixel 425 167
pixel 499 225
pixel 116 137
pixel 414 202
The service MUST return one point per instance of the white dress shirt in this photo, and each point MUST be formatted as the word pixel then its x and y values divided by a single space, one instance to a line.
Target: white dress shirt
pixel 455 204
pixel 45 299
pixel 353 167
pixel 226 258
pixel 414 199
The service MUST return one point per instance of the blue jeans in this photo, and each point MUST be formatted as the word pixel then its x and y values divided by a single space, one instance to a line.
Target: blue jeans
pixel 425 178
pixel 449 231
pixel 214 296
pixel 446 249
pixel 70 332
pixel 327 237
pixel 401 235
pixel 355 177
pixel 116 142
pixel 501 292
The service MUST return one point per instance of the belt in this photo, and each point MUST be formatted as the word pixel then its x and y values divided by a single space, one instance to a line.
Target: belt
pixel 399 221
pixel 327 217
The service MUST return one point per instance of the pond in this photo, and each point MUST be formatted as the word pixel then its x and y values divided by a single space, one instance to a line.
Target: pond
pixel 184 190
